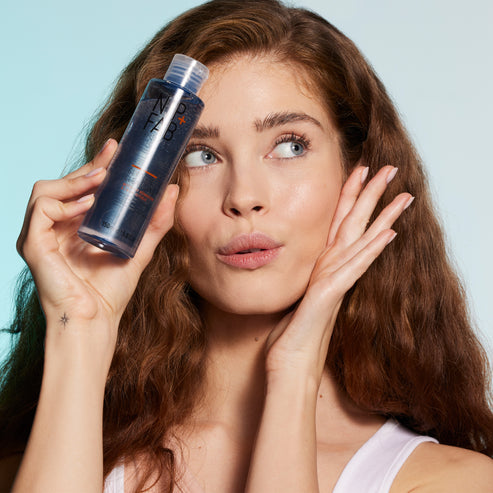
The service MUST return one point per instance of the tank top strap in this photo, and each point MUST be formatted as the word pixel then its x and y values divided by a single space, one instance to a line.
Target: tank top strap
pixel 115 481
pixel 375 465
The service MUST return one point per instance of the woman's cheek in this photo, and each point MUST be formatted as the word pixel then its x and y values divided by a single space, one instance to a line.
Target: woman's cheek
pixel 192 210
pixel 311 208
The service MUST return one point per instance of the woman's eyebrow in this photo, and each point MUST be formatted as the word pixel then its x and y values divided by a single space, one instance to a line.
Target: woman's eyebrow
pixel 277 119
pixel 270 121
pixel 205 132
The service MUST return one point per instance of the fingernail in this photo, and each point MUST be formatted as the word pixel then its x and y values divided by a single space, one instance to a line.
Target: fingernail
pixel 86 198
pixel 104 146
pixel 391 175
pixel 394 234
pixel 94 172
pixel 408 203
pixel 364 174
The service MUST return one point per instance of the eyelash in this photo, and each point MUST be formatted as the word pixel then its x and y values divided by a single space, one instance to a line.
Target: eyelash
pixel 198 147
pixel 299 139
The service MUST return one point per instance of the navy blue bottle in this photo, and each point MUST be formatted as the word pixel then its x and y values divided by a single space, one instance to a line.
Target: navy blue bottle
pixel 145 159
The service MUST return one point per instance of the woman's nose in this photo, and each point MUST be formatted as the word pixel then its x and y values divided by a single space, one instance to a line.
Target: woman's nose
pixel 246 191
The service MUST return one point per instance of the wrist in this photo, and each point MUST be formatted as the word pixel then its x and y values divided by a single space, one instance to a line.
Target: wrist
pixel 293 370
pixel 81 350
pixel 285 452
pixel 292 383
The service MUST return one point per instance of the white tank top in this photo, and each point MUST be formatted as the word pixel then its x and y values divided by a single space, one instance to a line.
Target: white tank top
pixel 375 465
pixel 372 468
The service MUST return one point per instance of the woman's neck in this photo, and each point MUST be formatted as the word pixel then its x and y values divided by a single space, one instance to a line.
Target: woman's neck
pixel 235 379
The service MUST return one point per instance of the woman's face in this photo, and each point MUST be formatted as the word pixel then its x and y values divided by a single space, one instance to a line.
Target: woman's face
pixel 265 175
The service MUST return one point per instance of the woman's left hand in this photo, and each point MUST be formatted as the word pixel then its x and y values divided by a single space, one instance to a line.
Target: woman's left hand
pixel 301 340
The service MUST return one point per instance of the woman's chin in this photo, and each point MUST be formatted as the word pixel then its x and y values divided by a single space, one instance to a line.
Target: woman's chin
pixel 260 304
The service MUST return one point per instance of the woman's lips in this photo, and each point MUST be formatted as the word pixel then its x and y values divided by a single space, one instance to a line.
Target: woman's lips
pixel 249 251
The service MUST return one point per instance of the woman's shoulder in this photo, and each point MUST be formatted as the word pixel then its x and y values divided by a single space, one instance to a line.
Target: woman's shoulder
pixel 439 468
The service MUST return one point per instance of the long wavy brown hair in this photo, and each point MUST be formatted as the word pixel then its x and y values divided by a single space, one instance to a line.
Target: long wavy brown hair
pixel 402 346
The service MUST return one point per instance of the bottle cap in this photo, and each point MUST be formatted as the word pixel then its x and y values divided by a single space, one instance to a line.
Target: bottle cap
pixel 187 73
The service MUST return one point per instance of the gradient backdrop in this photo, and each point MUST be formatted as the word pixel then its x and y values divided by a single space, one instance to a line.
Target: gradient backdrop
pixel 59 60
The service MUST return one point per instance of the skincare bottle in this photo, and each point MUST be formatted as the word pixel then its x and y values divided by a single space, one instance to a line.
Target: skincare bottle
pixel 146 158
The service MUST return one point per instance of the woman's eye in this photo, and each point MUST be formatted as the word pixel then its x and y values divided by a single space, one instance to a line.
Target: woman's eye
pixel 290 149
pixel 195 159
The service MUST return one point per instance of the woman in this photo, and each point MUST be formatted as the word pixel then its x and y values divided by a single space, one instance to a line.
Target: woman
pixel 280 337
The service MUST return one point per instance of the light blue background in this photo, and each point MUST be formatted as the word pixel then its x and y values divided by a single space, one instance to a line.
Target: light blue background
pixel 59 60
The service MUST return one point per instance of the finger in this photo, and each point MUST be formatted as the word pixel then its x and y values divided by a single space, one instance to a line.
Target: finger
pixel 68 188
pixel 75 184
pixel 349 193
pixel 101 160
pixel 342 279
pixel 62 189
pixel 355 223
pixel 161 222
pixel 388 216
pixel 332 258
pixel 46 211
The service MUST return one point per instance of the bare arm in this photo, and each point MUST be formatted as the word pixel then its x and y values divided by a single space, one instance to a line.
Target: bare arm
pixel 83 292
pixel 64 452
pixel 285 452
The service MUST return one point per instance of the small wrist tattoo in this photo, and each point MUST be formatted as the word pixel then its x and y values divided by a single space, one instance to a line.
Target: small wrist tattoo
pixel 64 319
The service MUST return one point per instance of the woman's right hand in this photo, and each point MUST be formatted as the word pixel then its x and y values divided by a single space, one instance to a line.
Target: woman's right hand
pixel 79 285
